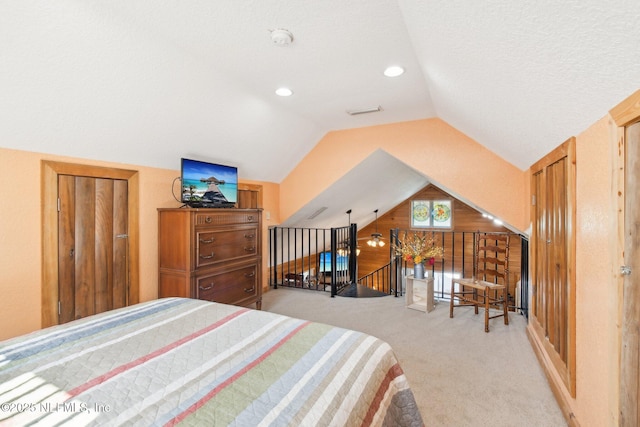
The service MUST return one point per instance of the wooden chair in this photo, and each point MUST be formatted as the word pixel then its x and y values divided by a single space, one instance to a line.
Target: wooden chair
pixel 489 285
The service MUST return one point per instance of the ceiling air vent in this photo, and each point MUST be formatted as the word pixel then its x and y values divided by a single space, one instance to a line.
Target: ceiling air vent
pixel 318 212
pixel 364 111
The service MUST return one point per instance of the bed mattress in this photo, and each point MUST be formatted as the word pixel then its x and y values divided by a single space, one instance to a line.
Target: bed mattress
pixel 182 361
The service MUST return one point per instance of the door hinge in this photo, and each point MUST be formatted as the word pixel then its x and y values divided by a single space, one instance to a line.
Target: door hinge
pixel 59 308
pixel 122 236
pixel 59 204
pixel 533 200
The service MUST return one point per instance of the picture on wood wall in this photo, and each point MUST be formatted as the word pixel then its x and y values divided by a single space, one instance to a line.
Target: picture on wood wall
pixel 431 214
pixel 420 214
pixel 441 213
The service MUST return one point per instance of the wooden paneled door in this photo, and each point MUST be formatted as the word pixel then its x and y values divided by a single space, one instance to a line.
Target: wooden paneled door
pixel 630 353
pixel 90 240
pixel 553 259
pixel 92 245
pixel 249 196
pixel 627 117
pixel 627 164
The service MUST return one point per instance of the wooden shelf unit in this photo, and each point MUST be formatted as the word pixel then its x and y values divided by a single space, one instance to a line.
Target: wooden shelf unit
pixel 419 294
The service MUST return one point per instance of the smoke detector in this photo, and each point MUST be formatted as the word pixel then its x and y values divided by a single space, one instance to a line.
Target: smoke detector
pixel 281 37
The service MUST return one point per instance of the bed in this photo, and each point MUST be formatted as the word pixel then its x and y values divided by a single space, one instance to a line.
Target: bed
pixel 177 361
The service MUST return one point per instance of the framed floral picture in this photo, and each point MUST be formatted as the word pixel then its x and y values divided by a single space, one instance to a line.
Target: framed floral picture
pixel 431 214
pixel 420 214
pixel 441 214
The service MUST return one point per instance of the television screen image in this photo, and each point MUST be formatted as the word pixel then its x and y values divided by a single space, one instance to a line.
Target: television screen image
pixel 342 262
pixel 209 184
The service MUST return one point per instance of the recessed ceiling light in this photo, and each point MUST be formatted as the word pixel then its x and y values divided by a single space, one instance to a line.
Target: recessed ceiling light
pixel 394 71
pixel 284 91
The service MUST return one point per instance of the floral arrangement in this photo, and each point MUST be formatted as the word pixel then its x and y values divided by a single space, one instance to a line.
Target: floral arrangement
pixel 418 248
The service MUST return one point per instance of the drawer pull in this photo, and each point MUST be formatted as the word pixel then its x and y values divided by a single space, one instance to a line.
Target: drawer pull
pixel 250 249
pixel 206 288
pixel 252 274
pixel 249 236
pixel 211 240
pixel 250 218
pixel 208 219
pixel 207 256
pixel 250 290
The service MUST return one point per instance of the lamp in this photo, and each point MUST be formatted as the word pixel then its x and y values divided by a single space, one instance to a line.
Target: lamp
pixel 376 238
pixel 344 250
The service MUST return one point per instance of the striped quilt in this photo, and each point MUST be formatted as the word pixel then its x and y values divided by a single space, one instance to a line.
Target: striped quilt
pixel 190 362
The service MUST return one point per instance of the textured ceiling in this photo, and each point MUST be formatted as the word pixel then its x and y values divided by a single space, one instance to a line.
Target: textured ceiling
pixel 149 81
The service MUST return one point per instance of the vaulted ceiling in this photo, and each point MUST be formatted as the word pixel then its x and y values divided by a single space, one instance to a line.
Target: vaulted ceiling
pixel 150 81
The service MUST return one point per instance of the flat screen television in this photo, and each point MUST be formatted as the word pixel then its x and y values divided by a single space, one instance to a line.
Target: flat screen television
pixel 208 185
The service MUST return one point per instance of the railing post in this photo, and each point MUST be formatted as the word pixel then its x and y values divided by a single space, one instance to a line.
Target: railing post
pixel 334 248
pixel 353 247
pixel 395 261
pixel 273 255
pixel 524 275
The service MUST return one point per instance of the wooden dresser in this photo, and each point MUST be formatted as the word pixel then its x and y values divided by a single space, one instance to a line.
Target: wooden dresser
pixel 211 254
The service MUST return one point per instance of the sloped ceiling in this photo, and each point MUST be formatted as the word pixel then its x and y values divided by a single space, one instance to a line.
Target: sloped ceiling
pixel 150 81
pixel 382 191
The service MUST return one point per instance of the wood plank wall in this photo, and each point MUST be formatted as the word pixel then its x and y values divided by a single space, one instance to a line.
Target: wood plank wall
pixel 465 218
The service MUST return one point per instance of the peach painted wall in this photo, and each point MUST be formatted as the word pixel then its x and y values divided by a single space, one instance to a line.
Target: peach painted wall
pixel 20 234
pixel 597 304
pixel 439 151
pixel 19 243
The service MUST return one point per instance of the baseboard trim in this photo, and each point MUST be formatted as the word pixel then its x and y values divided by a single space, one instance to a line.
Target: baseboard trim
pixel 556 386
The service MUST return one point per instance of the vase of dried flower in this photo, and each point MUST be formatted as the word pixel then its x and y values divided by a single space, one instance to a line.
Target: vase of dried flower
pixel 418 270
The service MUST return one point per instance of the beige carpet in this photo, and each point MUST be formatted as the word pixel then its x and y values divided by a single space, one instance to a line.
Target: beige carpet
pixel 460 375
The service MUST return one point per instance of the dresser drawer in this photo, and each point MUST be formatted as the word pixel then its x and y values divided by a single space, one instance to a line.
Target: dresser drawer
pixel 214 246
pixel 208 219
pixel 230 285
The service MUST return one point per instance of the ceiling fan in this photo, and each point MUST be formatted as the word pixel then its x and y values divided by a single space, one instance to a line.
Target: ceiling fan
pixel 376 239
pixel 344 245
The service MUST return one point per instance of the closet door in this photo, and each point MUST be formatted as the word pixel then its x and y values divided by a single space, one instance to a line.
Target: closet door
pixel 247 199
pixel 627 171
pixel 552 259
pixel 92 246
pixel 630 351
pixel 249 196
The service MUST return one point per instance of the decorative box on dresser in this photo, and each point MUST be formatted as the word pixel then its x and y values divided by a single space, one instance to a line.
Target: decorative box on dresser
pixel 211 254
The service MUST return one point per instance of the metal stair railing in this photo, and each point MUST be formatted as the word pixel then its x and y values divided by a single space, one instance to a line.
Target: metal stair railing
pixel 312 258
pixel 304 258
pixel 379 280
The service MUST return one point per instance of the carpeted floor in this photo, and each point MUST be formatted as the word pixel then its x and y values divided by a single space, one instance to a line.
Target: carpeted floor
pixel 460 375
